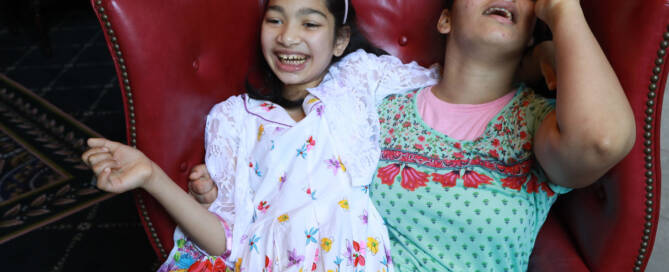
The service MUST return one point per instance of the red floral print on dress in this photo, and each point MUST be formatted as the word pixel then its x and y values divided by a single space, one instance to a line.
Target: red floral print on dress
pixel 532 185
pixel 207 266
pixel 547 189
pixel 447 180
pixel 514 182
pixel 388 173
pixel 412 178
pixel 473 179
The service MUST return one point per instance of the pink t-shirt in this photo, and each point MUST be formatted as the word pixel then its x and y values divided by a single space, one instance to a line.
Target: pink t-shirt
pixel 458 121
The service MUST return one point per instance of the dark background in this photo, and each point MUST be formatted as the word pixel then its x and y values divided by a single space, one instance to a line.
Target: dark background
pixel 57 50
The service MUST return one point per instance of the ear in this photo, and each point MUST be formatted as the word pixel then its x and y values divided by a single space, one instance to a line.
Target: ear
pixel 342 40
pixel 444 23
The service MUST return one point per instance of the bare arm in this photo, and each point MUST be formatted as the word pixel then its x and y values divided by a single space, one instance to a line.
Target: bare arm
pixel 592 127
pixel 120 168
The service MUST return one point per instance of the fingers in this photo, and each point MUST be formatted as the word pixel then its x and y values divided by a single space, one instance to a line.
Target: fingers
pixel 199 172
pixel 205 198
pixel 201 186
pixel 100 166
pixel 203 190
pixel 96 151
pixel 101 142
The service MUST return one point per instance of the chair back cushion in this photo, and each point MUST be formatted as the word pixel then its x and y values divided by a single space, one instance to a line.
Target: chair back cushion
pixel 175 59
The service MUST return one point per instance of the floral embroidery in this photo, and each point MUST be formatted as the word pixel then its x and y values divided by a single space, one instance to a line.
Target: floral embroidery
pixel 412 179
pixel 335 164
pixel 294 258
pixel 261 131
pixel 505 148
pixel 364 217
pixel 310 235
pixel 473 179
pixel 388 173
pixel 207 266
pixel 311 193
pixel 263 206
pixel 514 183
pixel 267 106
pixel 253 243
pixel 372 245
pixel 310 143
pixel 447 180
pixel 344 204
pixel 282 181
pixel 326 244
pixel 283 218
pixel 355 253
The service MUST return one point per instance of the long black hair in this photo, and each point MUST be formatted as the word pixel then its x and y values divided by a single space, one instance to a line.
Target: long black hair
pixel 272 89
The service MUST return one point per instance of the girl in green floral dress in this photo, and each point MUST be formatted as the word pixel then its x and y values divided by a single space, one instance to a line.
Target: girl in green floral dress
pixel 471 166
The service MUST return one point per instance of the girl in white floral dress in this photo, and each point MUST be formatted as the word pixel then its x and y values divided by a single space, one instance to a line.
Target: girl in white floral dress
pixel 292 176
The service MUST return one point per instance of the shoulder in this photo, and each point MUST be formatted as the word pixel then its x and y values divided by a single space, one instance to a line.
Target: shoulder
pixel 228 106
pixel 531 100
pixel 396 103
pixel 362 57
pixel 227 113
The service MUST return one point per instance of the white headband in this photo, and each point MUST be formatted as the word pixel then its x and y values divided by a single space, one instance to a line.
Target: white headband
pixel 346 11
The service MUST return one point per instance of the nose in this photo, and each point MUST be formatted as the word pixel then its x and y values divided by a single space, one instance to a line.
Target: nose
pixel 288 36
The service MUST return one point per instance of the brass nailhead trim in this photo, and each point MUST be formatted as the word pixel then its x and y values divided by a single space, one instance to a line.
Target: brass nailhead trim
pixel 131 110
pixel 661 53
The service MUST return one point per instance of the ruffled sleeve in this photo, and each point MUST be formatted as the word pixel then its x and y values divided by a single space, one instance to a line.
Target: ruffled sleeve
pixel 222 141
pixel 379 76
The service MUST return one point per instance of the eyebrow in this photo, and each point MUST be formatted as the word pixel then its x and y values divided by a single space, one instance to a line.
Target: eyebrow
pixel 302 11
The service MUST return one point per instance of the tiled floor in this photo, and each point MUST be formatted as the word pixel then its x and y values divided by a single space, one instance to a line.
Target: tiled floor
pixel 659 260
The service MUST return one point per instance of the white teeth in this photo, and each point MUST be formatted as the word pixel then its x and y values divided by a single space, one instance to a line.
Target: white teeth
pixel 500 11
pixel 292 59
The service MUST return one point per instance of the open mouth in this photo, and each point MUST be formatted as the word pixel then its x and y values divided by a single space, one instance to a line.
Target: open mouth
pixel 292 59
pixel 501 12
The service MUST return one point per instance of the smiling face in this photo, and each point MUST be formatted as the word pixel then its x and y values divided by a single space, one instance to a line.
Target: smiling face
pixel 502 24
pixel 298 41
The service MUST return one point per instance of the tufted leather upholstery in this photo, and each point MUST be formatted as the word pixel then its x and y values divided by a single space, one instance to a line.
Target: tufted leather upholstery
pixel 177 58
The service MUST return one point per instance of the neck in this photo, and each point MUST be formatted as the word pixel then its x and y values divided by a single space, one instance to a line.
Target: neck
pixel 294 93
pixel 475 76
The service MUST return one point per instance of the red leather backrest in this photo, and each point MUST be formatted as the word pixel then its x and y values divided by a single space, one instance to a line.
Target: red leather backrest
pixel 177 58
pixel 613 223
pixel 409 28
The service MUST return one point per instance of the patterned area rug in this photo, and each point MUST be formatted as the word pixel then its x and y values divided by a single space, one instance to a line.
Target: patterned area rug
pixel 78 78
pixel 42 177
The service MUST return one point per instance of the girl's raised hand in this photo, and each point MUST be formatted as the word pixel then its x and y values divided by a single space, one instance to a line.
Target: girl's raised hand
pixel 118 167
pixel 550 10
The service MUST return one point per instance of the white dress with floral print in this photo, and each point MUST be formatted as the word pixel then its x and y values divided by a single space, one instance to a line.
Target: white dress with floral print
pixel 295 194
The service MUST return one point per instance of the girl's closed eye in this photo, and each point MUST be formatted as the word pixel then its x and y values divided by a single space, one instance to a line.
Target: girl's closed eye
pixel 273 21
pixel 311 25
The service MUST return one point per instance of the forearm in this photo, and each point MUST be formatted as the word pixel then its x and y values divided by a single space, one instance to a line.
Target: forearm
pixel 594 124
pixel 197 222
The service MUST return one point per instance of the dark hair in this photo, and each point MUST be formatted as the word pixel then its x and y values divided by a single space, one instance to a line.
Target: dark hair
pixel 273 87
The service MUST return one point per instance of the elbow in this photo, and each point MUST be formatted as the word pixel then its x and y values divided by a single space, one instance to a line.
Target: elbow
pixel 613 146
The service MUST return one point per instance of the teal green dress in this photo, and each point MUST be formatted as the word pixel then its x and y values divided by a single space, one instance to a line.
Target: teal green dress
pixel 453 205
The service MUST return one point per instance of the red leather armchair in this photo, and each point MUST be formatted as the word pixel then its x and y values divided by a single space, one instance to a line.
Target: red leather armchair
pixel 177 58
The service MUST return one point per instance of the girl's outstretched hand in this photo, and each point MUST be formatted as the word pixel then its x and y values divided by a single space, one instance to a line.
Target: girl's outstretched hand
pixel 550 10
pixel 118 167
